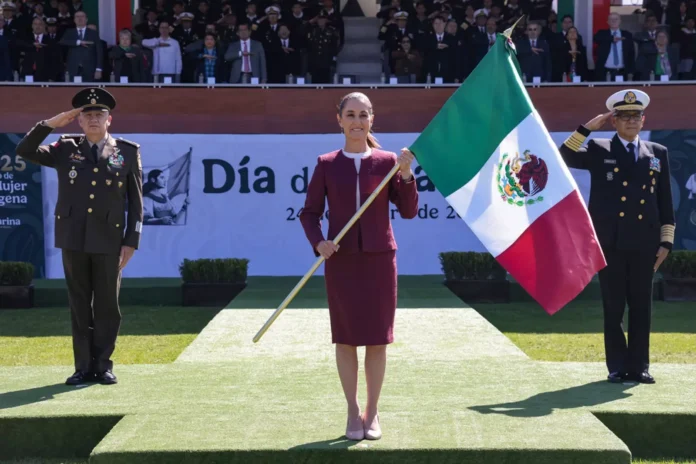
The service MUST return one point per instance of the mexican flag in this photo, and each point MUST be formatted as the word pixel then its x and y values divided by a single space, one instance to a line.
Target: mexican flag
pixel 489 154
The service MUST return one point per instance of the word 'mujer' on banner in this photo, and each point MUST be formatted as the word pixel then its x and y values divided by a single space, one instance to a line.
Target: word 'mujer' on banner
pixel 21 208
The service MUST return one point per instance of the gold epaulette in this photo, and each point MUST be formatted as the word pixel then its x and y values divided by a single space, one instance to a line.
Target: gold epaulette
pixel 667 233
pixel 575 141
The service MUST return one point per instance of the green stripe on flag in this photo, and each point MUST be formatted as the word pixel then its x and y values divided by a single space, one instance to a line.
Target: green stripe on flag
pixel 473 121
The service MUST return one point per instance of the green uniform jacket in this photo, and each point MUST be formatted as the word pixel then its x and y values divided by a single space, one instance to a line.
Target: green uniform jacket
pixel 90 213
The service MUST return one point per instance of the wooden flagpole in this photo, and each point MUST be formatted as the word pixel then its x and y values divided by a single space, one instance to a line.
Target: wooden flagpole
pixel 318 262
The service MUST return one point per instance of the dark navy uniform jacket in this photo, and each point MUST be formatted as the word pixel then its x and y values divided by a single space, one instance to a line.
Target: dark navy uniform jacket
pixel 93 199
pixel 630 201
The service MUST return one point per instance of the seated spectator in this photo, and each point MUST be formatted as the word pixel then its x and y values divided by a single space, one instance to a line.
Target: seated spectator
pixel 166 55
pixel 408 62
pixel 574 62
pixel 127 60
pixel 211 59
pixel 534 54
pixel 658 57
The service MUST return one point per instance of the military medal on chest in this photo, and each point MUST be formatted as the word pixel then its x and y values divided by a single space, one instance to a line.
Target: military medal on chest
pixel 116 159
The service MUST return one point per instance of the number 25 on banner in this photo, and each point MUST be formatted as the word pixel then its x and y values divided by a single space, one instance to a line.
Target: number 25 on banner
pixel 7 165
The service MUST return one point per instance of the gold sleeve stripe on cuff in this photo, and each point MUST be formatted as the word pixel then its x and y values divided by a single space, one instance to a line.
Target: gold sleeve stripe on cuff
pixel 667 233
pixel 578 137
pixel 573 144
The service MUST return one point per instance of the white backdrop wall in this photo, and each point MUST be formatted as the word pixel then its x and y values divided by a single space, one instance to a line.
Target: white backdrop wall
pixel 244 194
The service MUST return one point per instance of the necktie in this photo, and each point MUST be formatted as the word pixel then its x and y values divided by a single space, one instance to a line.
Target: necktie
pixel 245 59
pixel 95 154
pixel 615 50
pixel 631 151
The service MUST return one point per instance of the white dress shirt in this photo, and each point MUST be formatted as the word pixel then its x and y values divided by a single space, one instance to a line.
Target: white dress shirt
pixel 358 157
pixel 167 60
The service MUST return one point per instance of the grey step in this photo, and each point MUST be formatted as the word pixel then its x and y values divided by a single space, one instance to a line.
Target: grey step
pixel 356 68
pixel 364 54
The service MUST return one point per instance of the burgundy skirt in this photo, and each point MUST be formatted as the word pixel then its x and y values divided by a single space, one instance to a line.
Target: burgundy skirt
pixel 361 289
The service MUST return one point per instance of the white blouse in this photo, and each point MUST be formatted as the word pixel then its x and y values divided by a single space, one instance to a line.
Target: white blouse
pixel 358 157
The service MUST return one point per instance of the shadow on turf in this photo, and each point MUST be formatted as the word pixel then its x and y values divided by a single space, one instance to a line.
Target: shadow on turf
pixel 339 443
pixel 18 398
pixel 543 404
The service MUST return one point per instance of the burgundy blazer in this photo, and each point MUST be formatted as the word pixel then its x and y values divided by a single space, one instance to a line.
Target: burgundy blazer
pixel 334 179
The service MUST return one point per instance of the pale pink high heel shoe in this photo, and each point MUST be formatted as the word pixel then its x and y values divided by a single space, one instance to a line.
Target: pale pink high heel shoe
pixel 357 434
pixel 374 433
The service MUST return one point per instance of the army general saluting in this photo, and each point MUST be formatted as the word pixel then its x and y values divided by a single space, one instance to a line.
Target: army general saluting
pixel 97 177
pixel 631 208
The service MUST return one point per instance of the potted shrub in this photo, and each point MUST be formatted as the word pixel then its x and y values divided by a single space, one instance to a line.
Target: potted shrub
pixel 475 277
pixel 16 288
pixel 679 276
pixel 212 282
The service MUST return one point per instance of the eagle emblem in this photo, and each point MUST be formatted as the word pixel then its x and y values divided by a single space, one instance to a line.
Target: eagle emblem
pixel 630 97
pixel 521 179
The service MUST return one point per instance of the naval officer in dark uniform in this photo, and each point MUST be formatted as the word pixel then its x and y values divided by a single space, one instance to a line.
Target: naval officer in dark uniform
pixel 99 181
pixel 631 209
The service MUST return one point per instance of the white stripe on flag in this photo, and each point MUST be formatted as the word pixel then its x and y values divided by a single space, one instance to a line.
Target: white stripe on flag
pixel 495 222
pixel 107 21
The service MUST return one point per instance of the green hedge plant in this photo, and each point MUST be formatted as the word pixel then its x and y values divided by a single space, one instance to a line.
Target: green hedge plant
pixel 230 270
pixel 470 265
pixel 13 273
pixel 679 264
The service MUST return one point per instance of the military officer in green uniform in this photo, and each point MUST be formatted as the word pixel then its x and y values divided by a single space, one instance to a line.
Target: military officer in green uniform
pixel 631 209
pixel 98 176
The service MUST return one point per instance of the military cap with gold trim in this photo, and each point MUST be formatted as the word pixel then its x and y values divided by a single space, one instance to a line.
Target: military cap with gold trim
pixel 628 100
pixel 94 99
pixel 401 15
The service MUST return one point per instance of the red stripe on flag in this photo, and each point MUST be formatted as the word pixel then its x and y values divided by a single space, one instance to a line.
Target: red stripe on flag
pixel 124 18
pixel 557 256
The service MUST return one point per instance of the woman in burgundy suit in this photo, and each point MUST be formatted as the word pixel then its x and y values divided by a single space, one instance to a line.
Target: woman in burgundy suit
pixel 361 276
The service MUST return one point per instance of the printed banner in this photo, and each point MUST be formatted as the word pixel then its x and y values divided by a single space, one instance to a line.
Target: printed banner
pixel 240 196
pixel 21 209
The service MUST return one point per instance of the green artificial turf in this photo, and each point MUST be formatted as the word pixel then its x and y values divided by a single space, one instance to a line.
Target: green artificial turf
pixel 576 332
pixel 456 390
pixel 148 335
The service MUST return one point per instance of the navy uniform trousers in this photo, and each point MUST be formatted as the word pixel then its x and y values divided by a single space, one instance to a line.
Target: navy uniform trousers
pixel 631 209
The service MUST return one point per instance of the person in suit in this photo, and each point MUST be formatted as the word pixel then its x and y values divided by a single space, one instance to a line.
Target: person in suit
pixel 5 59
pixel 631 209
pixel 534 54
pixel 42 59
pixel 440 52
pixel 97 177
pixel 85 53
pixel 361 275
pixel 615 50
pixel 247 57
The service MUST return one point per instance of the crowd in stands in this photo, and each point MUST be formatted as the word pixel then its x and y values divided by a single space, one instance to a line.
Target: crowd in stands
pixel 447 38
pixel 189 41
pixel 235 41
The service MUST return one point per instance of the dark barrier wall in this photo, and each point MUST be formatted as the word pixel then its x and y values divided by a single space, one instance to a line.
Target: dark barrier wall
pixel 290 111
